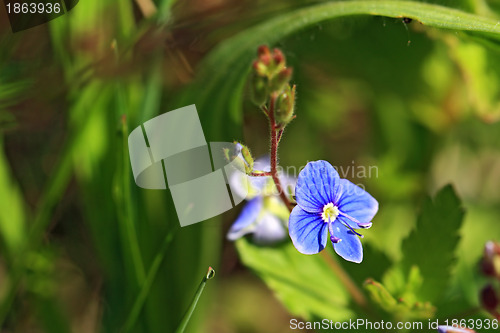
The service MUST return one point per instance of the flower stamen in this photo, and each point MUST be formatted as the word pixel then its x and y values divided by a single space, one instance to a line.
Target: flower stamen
pixel 330 212
pixel 360 224
pixel 332 237
pixel 347 225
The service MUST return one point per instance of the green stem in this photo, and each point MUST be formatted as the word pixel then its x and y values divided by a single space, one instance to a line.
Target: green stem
pixel 124 204
pixel 182 326
pixel 345 279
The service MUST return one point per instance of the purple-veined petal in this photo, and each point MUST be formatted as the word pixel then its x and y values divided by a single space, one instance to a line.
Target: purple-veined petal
pixel 246 221
pixel 269 230
pixel 349 247
pixel 307 231
pixel 318 185
pixel 357 204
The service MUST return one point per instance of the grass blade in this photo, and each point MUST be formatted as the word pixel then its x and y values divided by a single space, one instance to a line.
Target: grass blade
pixel 182 326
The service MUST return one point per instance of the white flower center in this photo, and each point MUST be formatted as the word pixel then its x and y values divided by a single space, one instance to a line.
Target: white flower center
pixel 330 213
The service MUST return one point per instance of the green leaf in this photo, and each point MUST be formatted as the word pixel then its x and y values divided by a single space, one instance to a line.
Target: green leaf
pixel 380 295
pixel 401 309
pixel 223 72
pixel 431 246
pixel 12 208
pixel 305 284
pixel 481 70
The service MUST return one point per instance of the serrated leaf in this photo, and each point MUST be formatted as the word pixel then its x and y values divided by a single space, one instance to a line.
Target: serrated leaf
pixel 431 245
pixel 304 284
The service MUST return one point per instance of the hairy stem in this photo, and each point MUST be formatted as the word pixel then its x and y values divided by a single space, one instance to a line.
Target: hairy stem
pixel 260 174
pixel 274 154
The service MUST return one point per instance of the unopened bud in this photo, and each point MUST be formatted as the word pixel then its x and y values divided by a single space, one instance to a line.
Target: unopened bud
pixel 263 50
pixel 259 89
pixel 247 156
pixel 489 298
pixel 278 57
pixel 279 81
pixel 285 105
pixel 490 262
pixel 241 159
pixel 227 154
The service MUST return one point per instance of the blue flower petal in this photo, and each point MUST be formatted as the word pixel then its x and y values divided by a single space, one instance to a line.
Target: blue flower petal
pixel 263 163
pixel 307 231
pixel 318 185
pixel 356 203
pixel 349 247
pixel 244 224
pixel 269 230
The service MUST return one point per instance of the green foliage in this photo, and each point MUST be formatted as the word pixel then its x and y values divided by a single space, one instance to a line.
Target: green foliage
pixel 364 93
pixel 305 284
pixel 12 210
pixel 401 309
pixel 224 71
pixel 432 244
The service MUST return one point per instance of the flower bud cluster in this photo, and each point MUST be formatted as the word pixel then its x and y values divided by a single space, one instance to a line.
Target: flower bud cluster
pixel 270 79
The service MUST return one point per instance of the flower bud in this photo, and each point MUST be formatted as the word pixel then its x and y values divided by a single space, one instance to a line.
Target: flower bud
pixel 259 89
pixel 279 81
pixel 285 105
pixel 247 157
pixel 263 63
pixel 241 158
pixel 260 68
pixel 268 64
pixel 490 262
pixel 227 154
pixel 489 298
pixel 278 57
pixel 263 50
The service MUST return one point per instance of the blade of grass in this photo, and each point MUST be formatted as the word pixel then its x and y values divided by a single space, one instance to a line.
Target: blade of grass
pixel 146 286
pixel 123 199
pixel 182 326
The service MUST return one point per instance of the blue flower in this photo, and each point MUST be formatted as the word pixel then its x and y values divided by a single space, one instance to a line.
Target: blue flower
pixel 264 215
pixel 326 203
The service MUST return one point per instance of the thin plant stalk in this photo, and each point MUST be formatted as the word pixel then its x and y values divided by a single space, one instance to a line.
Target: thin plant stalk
pixel 148 282
pixel 274 153
pixel 187 316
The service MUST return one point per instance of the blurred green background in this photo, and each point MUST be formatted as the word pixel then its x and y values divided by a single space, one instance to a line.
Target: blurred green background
pixel 83 249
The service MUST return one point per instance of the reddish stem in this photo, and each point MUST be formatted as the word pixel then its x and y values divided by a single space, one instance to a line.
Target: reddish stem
pixel 274 154
pixel 280 133
pixel 260 174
